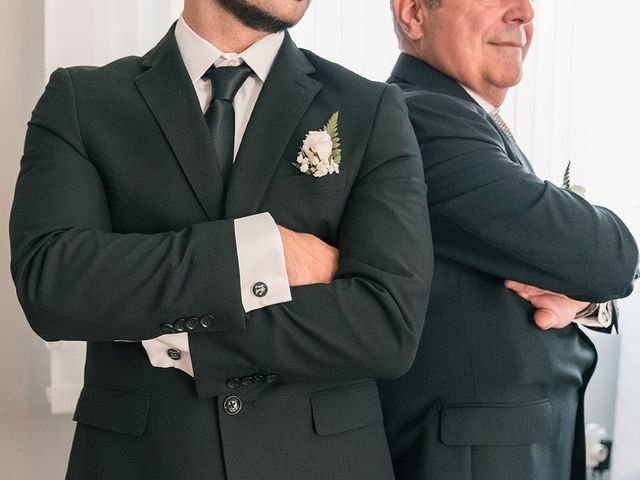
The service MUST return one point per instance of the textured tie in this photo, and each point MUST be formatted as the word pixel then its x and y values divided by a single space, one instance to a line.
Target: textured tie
pixel 220 117
pixel 501 123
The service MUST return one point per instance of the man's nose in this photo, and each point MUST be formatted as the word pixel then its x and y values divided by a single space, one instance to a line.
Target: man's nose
pixel 520 11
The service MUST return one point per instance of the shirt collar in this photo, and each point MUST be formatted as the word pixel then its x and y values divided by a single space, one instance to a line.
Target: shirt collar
pixel 486 106
pixel 198 54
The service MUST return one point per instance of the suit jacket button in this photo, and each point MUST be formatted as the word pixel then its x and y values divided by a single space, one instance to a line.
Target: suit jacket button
pixel 174 354
pixel 246 381
pixel 180 325
pixel 258 378
pixel 232 405
pixel 259 289
pixel 206 321
pixel 192 323
pixel 271 378
pixel 167 328
pixel 234 382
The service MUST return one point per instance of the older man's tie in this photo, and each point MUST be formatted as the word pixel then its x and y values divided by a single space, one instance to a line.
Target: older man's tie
pixel 220 116
pixel 502 124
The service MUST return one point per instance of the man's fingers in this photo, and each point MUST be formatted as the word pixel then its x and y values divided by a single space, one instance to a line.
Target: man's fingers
pixel 522 289
pixel 308 259
pixel 513 285
pixel 545 318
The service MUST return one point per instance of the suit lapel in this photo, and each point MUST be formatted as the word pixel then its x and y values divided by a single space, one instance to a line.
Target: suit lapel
pixel 168 91
pixel 515 153
pixel 285 96
pixel 415 71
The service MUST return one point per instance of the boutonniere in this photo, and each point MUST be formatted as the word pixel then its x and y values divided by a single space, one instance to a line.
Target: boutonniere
pixel 567 185
pixel 320 151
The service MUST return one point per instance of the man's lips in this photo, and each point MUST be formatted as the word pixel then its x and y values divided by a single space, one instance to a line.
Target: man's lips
pixel 507 44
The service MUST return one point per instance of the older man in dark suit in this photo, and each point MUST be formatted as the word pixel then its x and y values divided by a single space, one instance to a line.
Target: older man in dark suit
pixel 491 396
pixel 149 230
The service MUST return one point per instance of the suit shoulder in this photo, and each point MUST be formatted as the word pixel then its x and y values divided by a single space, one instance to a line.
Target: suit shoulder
pixel 423 99
pixel 336 76
pixel 123 67
pixel 435 113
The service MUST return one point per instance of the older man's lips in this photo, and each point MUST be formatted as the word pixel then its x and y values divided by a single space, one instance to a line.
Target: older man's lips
pixel 508 44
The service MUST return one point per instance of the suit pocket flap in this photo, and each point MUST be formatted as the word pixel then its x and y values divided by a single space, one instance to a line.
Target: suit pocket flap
pixel 346 409
pixel 502 424
pixel 114 410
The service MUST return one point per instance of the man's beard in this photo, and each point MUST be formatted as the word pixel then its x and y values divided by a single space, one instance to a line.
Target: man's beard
pixel 254 17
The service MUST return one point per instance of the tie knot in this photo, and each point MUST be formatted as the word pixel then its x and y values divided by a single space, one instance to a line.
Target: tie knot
pixel 227 80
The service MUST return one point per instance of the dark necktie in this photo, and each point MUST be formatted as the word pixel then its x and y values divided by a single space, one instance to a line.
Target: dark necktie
pixel 220 117
pixel 502 124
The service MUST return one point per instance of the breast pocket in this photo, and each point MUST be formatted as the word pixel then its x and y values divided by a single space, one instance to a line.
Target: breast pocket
pixel 302 185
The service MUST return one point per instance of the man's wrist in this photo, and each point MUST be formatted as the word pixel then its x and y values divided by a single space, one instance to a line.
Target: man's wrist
pixel 588 311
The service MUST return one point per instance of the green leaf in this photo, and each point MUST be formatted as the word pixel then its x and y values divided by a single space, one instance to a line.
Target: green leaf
pixel 332 129
pixel 566 179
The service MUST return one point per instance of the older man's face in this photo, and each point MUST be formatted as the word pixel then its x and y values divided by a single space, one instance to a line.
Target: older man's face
pixel 481 43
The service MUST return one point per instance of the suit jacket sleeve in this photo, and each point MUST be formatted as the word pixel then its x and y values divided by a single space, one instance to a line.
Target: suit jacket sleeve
pixel 495 216
pixel 367 322
pixel 78 280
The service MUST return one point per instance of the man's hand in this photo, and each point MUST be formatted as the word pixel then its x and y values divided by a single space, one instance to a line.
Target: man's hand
pixel 554 310
pixel 308 259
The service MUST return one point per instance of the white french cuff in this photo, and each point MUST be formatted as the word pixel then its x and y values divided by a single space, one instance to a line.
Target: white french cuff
pixel 601 318
pixel 263 274
pixel 170 351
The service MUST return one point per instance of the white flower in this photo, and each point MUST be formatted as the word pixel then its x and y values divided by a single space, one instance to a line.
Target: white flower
pixel 579 189
pixel 320 153
pixel 321 170
pixel 318 142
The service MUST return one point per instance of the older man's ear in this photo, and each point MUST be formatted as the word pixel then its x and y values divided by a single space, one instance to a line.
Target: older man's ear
pixel 409 15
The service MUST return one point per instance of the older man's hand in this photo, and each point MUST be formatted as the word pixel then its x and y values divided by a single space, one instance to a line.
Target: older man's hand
pixel 308 259
pixel 554 310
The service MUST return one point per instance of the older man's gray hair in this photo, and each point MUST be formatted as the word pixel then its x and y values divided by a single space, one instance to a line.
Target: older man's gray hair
pixel 428 4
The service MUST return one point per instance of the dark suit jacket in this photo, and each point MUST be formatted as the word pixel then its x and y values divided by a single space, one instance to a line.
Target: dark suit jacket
pixel 120 227
pixel 491 396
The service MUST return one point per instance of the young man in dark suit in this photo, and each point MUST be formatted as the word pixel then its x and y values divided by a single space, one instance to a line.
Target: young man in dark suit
pixel 491 396
pixel 148 230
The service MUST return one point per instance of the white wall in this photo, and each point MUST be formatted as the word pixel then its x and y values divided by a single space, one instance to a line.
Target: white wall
pixel 33 444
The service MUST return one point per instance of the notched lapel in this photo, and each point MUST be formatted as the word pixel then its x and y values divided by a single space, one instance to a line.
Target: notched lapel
pixel 285 97
pixel 168 91
pixel 415 71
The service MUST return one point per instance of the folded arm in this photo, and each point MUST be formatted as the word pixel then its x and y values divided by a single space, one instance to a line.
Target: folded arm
pixel 497 217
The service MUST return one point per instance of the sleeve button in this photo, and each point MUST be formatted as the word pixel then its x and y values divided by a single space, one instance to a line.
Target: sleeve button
pixel 192 323
pixel 207 321
pixel 167 328
pixel 180 325
pixel 234 382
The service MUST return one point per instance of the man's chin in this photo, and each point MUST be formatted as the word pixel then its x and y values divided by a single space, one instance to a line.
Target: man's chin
pixel 256 18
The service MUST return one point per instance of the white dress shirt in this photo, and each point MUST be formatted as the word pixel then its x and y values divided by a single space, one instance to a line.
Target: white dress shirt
pixel 258 242
pixel 603 315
